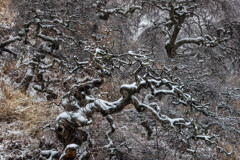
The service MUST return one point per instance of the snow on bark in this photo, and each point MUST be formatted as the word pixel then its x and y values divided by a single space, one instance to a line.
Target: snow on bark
pixel 49 153
pixel 83 116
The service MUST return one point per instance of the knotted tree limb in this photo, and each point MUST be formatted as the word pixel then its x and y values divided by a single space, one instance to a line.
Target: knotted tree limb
pixel 68 121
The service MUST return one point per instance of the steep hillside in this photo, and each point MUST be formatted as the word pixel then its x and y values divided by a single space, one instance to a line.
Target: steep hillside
pixel 119 80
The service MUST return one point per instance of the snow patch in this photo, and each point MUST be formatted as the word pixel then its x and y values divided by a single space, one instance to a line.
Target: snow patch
pixel 64 115
pixel 142 26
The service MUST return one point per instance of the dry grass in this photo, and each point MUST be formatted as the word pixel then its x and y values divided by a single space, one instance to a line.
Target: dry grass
pixel 6 14
pixel 8 67
pixel 21 122
pixel 3 3
pixel 17 106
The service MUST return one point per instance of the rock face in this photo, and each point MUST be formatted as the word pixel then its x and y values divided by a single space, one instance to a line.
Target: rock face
pixel 131 139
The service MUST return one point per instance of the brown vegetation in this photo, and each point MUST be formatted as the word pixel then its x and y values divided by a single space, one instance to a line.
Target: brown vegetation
pixel 17 106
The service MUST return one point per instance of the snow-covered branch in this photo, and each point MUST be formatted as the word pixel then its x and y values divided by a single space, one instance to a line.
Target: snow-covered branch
pixel 83 115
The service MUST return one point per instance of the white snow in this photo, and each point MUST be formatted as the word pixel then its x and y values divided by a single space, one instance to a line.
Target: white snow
pixel 64 115
pixel 52 153
pixel 80 117
pixel 142 26
pixel 128 86
pixel 72 146
pixel 100 51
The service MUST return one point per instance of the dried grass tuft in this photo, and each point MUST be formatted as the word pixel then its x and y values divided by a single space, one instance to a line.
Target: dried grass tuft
pixel 17 106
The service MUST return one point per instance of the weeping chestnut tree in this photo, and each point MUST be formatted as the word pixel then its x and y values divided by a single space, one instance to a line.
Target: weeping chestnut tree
pixel 81 106
pixel 70 47
pixel 148 82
